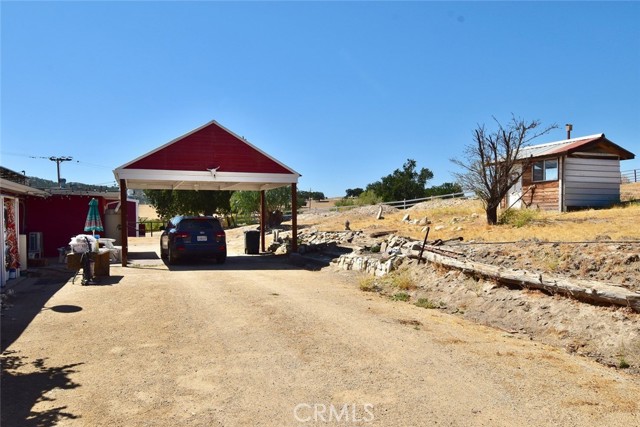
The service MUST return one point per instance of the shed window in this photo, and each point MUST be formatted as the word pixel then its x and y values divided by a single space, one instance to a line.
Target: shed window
pixel 545 170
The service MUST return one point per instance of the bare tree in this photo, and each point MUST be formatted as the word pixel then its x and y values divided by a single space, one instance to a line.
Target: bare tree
pixel 489 161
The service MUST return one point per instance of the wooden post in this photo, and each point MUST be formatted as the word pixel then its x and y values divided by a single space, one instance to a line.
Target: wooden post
pixel 423 245
pixel 263 208
pixel 124 235
pixel 294 217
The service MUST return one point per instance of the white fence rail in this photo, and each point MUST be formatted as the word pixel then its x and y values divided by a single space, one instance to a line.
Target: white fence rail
pixel 405 204
pixel 632 175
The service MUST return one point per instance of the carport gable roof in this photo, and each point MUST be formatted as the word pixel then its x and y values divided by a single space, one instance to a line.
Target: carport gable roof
pixel 210 157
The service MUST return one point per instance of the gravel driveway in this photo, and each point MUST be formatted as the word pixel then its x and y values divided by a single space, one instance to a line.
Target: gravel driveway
pixel 258 342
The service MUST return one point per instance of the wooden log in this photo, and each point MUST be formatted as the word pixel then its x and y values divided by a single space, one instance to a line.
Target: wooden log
pixel 582 290
pixel 381 233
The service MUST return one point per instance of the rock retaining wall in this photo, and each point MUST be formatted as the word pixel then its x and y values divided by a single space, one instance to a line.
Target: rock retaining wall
pixel 370 265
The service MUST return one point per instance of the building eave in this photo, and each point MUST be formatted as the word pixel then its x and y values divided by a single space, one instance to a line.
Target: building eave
pixel 19 189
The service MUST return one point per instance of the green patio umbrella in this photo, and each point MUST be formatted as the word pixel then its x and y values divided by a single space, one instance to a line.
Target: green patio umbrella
pixel 93 222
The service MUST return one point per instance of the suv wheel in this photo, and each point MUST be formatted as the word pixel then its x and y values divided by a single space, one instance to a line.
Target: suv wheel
pixel 171 258
pixel 163 254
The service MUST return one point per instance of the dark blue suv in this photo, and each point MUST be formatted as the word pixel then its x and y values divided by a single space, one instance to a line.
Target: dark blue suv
pixel 193 237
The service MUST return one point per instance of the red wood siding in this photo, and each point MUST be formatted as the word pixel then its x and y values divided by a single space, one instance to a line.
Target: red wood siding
pixel 207 148
pixel 545 195
pixel 60 217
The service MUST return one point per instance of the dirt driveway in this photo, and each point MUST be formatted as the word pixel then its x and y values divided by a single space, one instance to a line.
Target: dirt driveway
pixel 258 342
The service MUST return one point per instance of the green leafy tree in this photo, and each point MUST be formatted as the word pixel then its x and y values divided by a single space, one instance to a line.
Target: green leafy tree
pixel 488 165
pixel 313 195
pixel 444 189
pixel 354 192
pixel 365 198
pixel 169 203
pixel 403 184
pixel 368 197
pixel 277 201
pixel 163 202
pixel 245 202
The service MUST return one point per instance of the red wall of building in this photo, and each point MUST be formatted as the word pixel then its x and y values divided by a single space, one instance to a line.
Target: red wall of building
pixel 60 217
pixel 210 147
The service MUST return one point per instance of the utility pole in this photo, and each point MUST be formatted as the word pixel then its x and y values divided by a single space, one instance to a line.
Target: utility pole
pixel 59 160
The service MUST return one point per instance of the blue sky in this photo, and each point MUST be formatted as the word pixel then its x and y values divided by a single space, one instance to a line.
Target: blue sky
pixel 342 92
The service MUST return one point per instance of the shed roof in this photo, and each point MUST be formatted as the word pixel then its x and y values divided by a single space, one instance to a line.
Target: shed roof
pixel 590 143
pixel 19 189
pixel 16 183
pixel 210 157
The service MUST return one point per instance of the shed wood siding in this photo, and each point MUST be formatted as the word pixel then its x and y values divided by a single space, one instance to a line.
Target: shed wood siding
pixel 207 148
pixel 591 182
pixel 540 195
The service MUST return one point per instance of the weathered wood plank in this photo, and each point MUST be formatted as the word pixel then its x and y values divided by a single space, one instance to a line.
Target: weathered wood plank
pixel 382 233
pixel 582 290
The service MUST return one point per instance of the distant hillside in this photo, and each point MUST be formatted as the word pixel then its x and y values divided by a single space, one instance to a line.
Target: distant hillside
pixel 45 184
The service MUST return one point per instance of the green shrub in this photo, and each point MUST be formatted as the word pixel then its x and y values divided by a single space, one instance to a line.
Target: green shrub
pixel 518 217
pixel 365 199
pixel 425 303
pixel 345 202
pixel 401 296
pixel 369 198
pixel 623 364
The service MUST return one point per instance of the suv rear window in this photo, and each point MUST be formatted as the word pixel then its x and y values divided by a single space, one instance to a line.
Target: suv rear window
pixel 199 224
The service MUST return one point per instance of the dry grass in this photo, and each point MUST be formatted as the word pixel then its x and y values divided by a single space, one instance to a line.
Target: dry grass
pixel 401 279
pixel 367 283
pixel 467 219
pixel 630 191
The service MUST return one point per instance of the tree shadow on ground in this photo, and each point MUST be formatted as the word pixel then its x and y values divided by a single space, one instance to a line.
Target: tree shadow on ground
pixel 266 261
pixel 26 299
pixel 25 384
pixel 263 261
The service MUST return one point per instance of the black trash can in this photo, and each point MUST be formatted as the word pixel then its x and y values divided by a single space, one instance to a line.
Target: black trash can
pixel 252 242
pixel 142 230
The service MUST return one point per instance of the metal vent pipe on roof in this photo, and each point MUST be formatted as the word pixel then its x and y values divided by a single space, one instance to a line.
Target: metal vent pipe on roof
pixel 569 128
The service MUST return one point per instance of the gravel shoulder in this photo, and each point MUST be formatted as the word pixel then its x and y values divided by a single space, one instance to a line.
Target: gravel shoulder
pixel 259 342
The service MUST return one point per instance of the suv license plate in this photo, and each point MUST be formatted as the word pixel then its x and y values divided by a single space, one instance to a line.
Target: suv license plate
pixel 202 238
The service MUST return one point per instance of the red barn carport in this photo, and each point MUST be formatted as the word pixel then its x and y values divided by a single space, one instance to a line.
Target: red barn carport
pixel 210 157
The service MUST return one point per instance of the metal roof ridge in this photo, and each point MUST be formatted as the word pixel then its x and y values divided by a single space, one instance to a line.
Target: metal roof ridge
pixel 566 141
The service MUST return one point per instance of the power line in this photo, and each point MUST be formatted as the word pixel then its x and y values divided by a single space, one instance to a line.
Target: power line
pixel 8 153
pixel 93 165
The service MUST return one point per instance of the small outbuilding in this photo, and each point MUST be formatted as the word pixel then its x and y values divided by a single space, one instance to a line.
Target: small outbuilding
pixel 574 173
